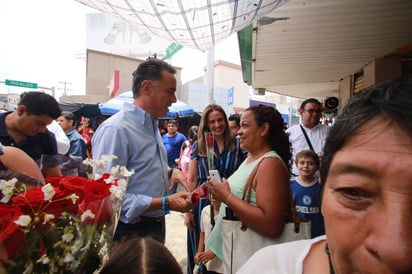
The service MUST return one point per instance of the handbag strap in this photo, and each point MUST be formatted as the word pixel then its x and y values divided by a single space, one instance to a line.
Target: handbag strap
pixel 307 138
pixel 291 214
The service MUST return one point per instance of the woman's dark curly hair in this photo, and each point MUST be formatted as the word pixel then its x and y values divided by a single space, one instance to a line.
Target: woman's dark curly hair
pixel 277 138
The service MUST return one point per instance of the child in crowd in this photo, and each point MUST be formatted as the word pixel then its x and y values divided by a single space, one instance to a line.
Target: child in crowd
pixel 305 191
pixel 186 150
pixel 86 130
pixel 204 255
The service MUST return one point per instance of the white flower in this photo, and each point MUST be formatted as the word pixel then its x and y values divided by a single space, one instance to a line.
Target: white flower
pixel 110 180
pixel 97 176
pixel 7 188
pixel 48 192
pixel 73 197
pixel 76 246
pixel 117 191
pixel 23 220
pixel 115 170
pixel 86 246
pixel 47 218
pixel 126 173
pixel 29 268
pixel 43 259
pixel 68 258
pixel 8 184
pixel 87 214
pixel 74 265
pixel 122 183
pixel 88 162
pixel 67 237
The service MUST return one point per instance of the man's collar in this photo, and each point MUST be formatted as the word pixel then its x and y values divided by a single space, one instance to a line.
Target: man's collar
pixel 3 127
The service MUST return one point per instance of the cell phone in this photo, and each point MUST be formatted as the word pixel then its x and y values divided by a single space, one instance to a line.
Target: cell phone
pixel 215 176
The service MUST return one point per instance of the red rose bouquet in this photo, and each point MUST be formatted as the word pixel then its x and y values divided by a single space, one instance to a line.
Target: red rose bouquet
pixel 64 226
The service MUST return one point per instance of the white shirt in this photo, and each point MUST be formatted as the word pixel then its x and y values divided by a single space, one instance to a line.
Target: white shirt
pixel 280 259
pixel 63 143
pixel 316 135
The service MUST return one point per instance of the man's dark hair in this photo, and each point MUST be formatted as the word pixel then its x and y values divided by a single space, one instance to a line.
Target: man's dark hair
pixel 149 70
pixel 236 118
pixel 310 100
pixel 40 103
pixel 69 117
pixel 391 99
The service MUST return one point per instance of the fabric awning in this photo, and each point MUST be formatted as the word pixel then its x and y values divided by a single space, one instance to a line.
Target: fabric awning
pixel 196 24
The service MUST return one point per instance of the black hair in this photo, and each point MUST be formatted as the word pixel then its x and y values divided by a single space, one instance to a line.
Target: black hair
pixel 69 116
pixel 192 134
pixel 310 100
pixel 236 118
pixel 277 137
pixel 391 99
pixel 40 103
pixel 140 256
pixel 173 121
pixel 150 69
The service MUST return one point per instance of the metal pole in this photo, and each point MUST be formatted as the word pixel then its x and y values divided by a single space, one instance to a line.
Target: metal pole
pixel 210 73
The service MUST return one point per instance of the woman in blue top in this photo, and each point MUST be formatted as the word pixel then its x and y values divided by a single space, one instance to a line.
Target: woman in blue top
pixel 227 158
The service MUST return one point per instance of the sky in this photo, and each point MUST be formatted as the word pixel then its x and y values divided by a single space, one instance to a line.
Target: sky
pixel 44 42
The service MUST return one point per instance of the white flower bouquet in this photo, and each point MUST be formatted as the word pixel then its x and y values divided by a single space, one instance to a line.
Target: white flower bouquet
pixel 64 226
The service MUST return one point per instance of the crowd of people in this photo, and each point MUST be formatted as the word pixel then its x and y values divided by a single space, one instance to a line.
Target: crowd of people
pixel 350 180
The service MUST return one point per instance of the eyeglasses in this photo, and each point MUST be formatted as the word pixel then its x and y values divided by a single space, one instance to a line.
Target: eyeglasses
pixel 311 110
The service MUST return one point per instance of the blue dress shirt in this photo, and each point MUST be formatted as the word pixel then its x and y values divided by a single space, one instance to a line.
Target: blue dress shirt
pixel 133 136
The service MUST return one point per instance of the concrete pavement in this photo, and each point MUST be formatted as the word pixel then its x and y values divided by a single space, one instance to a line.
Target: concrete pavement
pixel 176 236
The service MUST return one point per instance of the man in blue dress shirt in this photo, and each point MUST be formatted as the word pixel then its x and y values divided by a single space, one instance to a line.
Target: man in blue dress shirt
pixel 132 135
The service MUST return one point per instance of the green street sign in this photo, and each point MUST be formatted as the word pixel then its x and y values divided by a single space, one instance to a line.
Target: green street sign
pixel 172 49
pixel 20 84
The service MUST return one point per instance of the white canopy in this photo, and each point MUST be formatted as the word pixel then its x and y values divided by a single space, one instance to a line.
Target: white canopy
pixel 197 24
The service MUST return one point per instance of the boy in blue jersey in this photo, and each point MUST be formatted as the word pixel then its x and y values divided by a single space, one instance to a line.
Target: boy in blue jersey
pixel 305 191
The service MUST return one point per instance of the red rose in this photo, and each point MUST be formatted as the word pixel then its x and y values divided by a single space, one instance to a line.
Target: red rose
pixel 69 184
pixel 205 190
pixel 201 192
pixel 97 199
pixel 12 238
pixel 54 180
pixel 195 198
pixel 103 178
pixel 209 139
pixel 32 202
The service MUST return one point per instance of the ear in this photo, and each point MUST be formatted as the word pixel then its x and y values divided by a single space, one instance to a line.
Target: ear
pixel 264 129
pixel 21 110
pixel 300 111
pixel 146 87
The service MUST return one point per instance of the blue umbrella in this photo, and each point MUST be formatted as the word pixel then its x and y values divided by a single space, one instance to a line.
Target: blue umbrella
pixel 178 109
